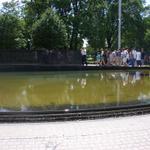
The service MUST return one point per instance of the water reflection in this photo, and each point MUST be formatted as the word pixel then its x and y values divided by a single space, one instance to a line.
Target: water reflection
pixel 73 90
pixel 120 81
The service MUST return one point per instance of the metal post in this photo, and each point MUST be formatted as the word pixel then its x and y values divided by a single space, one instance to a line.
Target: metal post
pixel 119 24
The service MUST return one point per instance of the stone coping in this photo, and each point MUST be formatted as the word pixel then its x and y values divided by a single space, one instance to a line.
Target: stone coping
pixel 71 67
pixel 53 116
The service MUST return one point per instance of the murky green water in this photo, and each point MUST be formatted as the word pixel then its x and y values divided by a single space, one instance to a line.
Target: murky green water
pixel 73 90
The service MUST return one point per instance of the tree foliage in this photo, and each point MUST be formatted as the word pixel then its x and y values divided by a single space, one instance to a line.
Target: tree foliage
pixel 49 31
pixel 11 27
pixel 65 23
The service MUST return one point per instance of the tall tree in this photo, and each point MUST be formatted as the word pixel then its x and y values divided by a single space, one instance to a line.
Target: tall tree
pixel 132 23
pixel 93 23
pixel 71 12
pixel 147 27
pixel 49 31
pixel 11 26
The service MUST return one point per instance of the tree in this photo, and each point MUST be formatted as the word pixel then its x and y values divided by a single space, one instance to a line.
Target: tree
pixel 94 20
pixel 93 23
pixel 132 24
pixel 11 26
pixel 147 27
pixel 49 31
pixel 71 11
pixel 147 33
pixel 101 23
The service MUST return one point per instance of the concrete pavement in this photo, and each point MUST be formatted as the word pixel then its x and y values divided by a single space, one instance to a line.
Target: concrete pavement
pixel 124 133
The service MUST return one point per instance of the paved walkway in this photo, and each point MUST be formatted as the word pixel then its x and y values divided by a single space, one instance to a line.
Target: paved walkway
pixel 124 133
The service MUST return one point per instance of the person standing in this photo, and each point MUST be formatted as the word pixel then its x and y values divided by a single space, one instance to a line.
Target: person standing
pixel 83 55
pixel 124 56
pixel 98 58
pixel 138 58
pixel 142 56
pixel 131 59
pixel 134 53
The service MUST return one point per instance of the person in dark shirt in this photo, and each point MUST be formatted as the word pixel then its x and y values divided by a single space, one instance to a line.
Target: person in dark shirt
pixel 142 56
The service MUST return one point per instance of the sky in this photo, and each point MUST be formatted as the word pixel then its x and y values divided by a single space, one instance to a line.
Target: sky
pixel 1 1
pixel 148 2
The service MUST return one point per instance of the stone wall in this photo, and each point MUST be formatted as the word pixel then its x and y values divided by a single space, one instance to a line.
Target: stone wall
pixel 40 56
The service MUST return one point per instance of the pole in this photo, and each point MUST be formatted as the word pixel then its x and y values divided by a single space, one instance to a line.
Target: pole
pixel 119 24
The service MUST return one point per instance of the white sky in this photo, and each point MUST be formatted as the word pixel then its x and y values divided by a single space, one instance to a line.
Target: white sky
pixel 147 2
pixel 1 1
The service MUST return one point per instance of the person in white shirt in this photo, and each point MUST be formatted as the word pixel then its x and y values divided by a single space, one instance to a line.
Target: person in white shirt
pixel 124 56
pixel 134 57
pixel 138 58
pixel 83 55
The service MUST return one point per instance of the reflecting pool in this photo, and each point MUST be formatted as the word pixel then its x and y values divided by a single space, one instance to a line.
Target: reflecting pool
pixel 73 90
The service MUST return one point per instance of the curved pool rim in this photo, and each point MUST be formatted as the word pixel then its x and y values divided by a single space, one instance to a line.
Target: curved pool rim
pixel 70 115
pixel 41 67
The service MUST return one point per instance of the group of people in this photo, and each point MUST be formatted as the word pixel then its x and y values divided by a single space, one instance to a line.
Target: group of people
pixel 121 57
